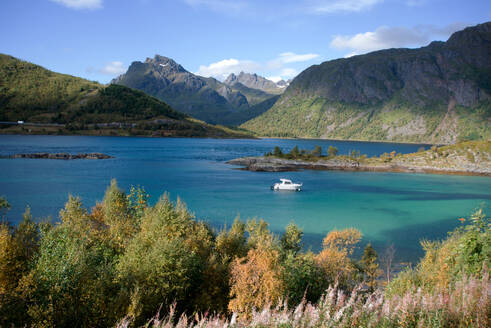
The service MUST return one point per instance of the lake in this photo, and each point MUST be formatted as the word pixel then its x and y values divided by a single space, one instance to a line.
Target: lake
pixel 388 208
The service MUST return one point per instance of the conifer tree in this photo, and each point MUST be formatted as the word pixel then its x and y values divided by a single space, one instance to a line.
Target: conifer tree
pixel 370 266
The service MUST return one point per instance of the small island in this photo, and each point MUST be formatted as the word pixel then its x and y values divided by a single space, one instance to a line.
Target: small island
pixel 466 158
pixel 65 156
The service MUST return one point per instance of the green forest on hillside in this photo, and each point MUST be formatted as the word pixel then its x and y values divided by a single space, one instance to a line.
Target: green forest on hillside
pixel 396 121
pixel 33 94
pixel 124 262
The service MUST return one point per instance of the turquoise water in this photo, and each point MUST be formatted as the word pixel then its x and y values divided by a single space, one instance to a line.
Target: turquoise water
pixel 388 208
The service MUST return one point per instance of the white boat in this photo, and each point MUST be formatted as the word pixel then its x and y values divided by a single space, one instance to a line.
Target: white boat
pixel 286 184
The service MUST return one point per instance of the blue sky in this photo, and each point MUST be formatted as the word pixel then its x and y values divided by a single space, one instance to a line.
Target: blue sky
pixel 98 39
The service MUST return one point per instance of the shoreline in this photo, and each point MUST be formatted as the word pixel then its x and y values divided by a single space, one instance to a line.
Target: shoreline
pixel 210 137
pixel 358 140
pixel 62 156
pixel 123 136
pixel 272 164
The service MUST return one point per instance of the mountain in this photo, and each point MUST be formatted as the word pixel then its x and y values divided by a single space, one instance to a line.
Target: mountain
pixel 253 81
pixel 283 84
pixel 67 104
pixel 438 94
pixel 204 98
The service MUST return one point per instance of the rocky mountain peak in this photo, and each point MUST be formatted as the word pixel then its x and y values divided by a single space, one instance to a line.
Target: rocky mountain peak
pixel 165 64
pixel 231 79
pixel 251 80
pixel 283 83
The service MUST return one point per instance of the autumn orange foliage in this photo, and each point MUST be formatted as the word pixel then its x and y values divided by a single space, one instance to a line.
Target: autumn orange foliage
pixel 334 259
pixel 255 280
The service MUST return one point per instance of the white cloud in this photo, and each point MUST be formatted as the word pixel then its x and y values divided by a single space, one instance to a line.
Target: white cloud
pixel 290 57
pixel 393 37
pixel 220 70
pixel 226 6
pixel 351 54
pixel 287 58
pixel 334 6
pixel 275 79
pixel 80 4
pixel 113 69
pixel 289 72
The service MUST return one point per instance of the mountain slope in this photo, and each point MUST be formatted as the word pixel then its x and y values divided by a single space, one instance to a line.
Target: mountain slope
pixel 204 98
pixel 34 94
pixel 439 93
pixel 254 96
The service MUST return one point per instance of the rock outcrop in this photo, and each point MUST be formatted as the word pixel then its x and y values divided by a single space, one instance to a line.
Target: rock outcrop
pixel 468 158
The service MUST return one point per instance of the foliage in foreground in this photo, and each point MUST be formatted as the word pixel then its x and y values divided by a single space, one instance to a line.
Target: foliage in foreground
pixel 126 259
pixel 465 305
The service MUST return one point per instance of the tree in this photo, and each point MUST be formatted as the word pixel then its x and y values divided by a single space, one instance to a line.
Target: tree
pixel 301 278
pixel 138 200
pixel 387 260
pixel 118 215
pixel 355 154
pixel 295 152
pixel 255 280
pixel 370 267
pixel 291 241
pixel 317 152
pixel 18 248
pixel 338 246
pixel 232 243
pixel 166 261
pixel 73 275
pixel 277 152
pixel 259 234
pixel 4 207
pixel 332 151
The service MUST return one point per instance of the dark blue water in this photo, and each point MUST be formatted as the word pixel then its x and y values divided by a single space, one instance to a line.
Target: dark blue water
pixel 388 208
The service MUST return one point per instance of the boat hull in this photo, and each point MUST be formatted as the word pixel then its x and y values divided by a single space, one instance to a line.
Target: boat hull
pixel 293 187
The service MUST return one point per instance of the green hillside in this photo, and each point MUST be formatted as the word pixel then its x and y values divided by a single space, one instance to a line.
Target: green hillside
pixel 34 94
pixel 436 94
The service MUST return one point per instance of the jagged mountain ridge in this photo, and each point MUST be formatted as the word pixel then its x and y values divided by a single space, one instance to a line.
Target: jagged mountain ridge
pixel 204 98
pixel 253 81
pixel 439 93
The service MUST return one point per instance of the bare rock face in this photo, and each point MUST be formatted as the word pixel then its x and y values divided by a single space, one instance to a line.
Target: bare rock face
pixel 252 81
pixel 438 72
pixel 405 94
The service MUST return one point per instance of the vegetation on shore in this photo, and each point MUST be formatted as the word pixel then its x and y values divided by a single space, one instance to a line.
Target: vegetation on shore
pixel 188 128
pixel 64 104
pixel 473 157
pixel 125 262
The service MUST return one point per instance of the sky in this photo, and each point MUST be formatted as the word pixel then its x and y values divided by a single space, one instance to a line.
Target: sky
pixel 99 39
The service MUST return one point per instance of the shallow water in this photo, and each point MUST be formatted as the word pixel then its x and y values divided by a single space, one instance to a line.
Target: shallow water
pixel 396 208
